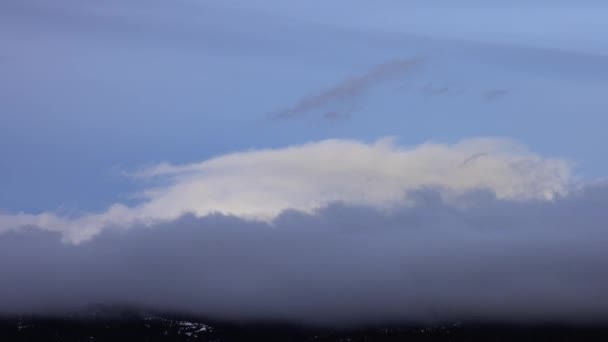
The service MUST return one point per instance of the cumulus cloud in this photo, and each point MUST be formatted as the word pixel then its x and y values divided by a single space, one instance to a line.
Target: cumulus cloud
pixel 342 263
pixel 260 184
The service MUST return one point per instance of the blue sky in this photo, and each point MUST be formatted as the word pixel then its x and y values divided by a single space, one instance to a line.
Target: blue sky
pixel 93 90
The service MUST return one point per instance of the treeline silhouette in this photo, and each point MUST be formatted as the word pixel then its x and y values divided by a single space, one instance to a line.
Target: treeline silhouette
pixel 170 327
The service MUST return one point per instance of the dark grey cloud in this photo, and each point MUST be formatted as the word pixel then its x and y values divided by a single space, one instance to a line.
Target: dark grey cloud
pixel 493 260
pixel 472 158
pixel 348 91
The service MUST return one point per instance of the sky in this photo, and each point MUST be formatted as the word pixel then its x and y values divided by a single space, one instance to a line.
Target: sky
pixel 124 122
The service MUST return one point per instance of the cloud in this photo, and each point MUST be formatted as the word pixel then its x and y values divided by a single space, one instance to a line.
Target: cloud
pixel 260 184
pixel 495 94
pixel 432 89
pixel 342 263
pixel 330 232
pixel 348 90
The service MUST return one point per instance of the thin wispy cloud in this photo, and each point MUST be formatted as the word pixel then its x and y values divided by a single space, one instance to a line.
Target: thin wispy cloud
pixel 495 94
pixel 349 90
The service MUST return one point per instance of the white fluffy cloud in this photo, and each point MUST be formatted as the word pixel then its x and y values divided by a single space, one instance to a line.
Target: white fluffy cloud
pixel 260 184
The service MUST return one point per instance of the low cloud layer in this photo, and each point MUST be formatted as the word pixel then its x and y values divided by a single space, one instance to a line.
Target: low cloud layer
pixel 260 184
pixel 332 232
pixel 495 259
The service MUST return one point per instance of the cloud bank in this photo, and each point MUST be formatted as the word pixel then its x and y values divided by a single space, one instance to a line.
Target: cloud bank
pixel 331 232
pixel 260 184
pixel 495 259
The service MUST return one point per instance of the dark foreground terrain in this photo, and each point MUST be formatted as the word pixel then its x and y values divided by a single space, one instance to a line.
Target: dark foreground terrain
pixel 132 327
